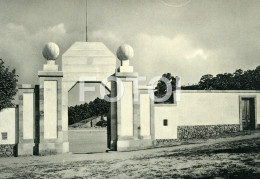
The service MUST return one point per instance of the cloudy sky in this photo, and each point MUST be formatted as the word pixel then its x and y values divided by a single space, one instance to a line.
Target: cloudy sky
pixel 187 38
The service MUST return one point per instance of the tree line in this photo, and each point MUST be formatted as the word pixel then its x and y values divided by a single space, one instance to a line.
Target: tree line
pixel 98 107
pixel 238 80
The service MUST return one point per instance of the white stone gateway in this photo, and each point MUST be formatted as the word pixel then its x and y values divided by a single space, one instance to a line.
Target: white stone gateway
pixel 132 124
pixel 83 62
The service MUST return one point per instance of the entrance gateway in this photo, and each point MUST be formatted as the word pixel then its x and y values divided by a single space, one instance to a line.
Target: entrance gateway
pixel 83 62
pixel 86 62
pixel 43 109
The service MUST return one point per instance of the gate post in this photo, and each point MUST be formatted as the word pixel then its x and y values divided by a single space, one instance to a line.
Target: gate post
pixel 26 143
pixel 52 138
pixel 125 105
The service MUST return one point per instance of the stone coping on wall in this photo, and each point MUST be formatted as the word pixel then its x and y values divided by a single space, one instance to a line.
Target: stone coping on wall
pixel 219 91
pixel 164 105
pixel 26 86
pixel 127 74
pixel 145 87
pixel 50 73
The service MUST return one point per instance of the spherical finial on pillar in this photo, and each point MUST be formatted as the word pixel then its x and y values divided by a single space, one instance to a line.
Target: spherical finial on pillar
pixel 50 51
pixel 125 52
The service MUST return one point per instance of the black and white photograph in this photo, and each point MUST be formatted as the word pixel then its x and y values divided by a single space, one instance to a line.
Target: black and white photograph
pixel 130 89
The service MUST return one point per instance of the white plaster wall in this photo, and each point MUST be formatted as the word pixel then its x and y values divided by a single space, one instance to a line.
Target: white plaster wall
pixel 9 124
pixel 210 108
pixel 127 110
pixel 50 109
pixel 162 112
pixel 145 114
pixel 28 116
pixel 200 108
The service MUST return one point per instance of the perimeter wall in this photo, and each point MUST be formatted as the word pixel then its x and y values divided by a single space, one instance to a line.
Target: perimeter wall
pixel 201 114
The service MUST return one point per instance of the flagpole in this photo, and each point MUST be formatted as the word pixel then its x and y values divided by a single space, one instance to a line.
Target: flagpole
pixel 86 20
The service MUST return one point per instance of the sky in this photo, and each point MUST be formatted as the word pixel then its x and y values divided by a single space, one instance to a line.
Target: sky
pixel 188 38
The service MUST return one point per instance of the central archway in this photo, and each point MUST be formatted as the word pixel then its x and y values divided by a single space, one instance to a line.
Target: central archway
pixel 89 119
pixel 87 60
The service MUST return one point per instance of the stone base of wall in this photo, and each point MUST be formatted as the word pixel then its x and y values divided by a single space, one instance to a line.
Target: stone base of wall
pixel 8 150
pixel 164 142
pixel 205 131
pixel 52 148
pixel 129 145
pixel 25 149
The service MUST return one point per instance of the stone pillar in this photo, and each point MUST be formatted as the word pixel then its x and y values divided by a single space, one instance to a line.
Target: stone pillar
pixel 125 104
pixel 26 143
pixel 52 139
pixel 133 124
pixel 125 108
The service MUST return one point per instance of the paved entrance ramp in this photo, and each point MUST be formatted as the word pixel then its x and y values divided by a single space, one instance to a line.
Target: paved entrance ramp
pixel 88 140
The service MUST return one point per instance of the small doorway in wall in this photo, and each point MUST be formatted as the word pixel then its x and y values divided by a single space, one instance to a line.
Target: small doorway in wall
pixel 247 113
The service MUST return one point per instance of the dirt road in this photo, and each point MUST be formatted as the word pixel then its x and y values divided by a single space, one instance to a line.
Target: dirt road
pixel 236 157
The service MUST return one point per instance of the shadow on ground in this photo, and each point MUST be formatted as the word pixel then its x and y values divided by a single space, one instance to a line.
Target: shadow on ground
pixel 237 159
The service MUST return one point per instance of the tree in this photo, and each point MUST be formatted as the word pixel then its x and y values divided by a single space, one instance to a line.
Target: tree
pixel 8 84
pixel 206 81
pixel 98 107
pixel 239 80
pixel 161 88
pixel 101 107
